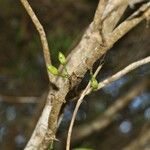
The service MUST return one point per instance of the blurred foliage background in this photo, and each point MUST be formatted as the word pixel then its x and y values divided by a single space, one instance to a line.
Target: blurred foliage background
pixel 23 78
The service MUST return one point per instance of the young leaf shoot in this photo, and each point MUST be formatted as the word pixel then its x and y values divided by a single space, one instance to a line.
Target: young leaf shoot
pixel 94 83
pixel 53 70
pixel 62 58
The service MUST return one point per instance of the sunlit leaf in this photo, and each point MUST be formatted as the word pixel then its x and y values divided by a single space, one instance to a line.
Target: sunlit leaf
pixel 53 70
pixel 94 83
pixel 62 58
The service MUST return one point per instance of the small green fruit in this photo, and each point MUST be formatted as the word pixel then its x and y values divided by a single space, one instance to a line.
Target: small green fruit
pixel 62 58
pixel 94 83
pixel 53 70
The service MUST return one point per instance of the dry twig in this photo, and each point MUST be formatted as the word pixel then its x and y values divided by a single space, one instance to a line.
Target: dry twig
pixel 80 100
pixel 41 32
pixel 124 71
pixel 129 23
pixel 107 81
pixel 103 120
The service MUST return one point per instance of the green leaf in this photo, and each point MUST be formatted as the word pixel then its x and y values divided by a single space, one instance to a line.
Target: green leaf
pixel 53 70
pixel 62 58
pixel 94 83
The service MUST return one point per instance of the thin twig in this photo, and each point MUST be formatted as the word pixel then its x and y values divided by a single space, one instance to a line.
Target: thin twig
pixel 41 32
pixel 124 71
pixel 129 23
pixel 107 81
pixel 80 100
pixel 103 120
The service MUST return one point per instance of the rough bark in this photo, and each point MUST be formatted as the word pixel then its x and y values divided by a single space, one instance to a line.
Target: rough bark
pixel 92 46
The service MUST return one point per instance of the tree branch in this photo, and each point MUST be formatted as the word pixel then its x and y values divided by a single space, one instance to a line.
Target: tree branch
pixel 41 127
pixel 80 100
pixel 90 49
pixel 124 71
pixel 106 118
pixel 41 32
pixel 129 23
pixel 112 14
pixel 98 14
pixel 107 81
